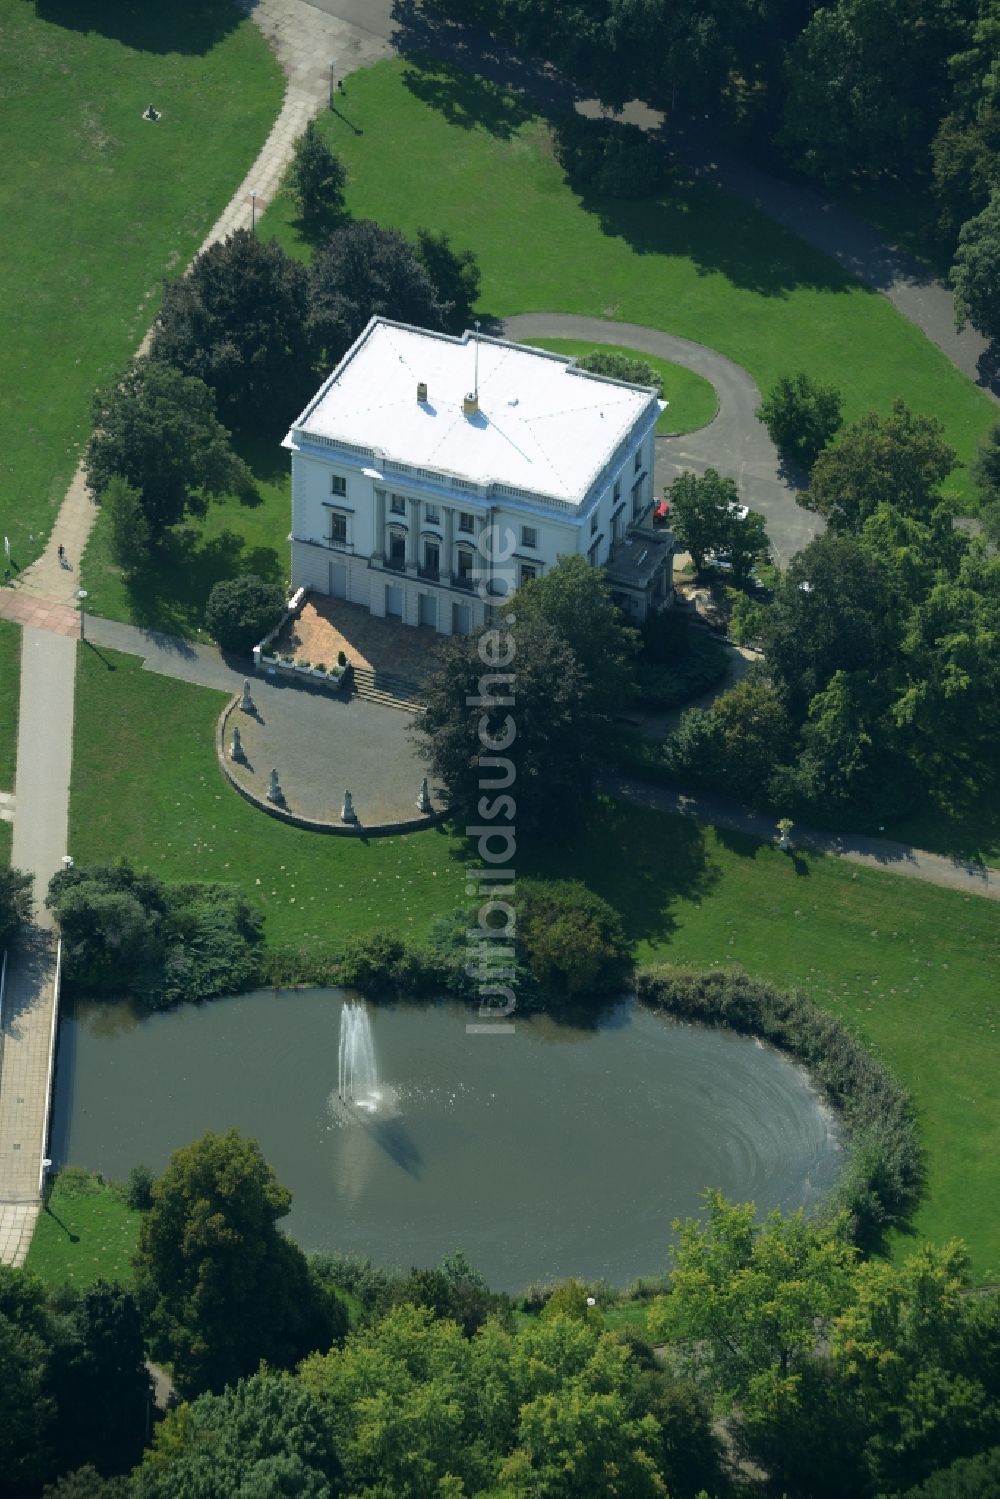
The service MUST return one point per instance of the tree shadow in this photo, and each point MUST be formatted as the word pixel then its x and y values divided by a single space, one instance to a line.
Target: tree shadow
pixel 642 862
pixel 433 41
pixel 466 99
pixel 170 595
pixel 185 26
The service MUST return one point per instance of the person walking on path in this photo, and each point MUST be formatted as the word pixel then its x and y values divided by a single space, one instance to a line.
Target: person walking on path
pixel 62 555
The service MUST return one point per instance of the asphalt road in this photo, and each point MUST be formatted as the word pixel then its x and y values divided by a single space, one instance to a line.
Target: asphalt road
pixel 735 443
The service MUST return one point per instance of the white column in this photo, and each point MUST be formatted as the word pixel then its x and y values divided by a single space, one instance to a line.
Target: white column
pixel 448 549
pixel 378 540
pixel 412 536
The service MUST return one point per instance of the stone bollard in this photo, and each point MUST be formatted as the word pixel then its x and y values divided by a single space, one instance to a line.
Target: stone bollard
pixel 246 701
pixel 274 791
pixel 424 799
pixel 347 812
pixel 236 750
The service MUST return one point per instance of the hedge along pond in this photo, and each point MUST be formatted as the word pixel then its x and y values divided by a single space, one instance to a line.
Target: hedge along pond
pixel 884 1174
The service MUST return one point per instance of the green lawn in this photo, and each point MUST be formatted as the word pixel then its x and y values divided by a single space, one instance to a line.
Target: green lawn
pixel 911 966
pixel 98 205
pixel 692 399
pixel 86 1231
pixel 6 842
pixel 431 145
pixel 233 538
pixel 10 694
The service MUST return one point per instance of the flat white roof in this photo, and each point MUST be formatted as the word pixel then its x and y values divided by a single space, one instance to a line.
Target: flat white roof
pixel 542 425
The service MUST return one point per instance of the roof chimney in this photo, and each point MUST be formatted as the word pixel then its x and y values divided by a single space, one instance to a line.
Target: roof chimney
pixel 470 403
pixel 421 392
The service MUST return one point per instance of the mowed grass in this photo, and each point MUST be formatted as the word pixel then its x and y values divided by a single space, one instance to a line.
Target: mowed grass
pixel 85 1232
pixel 233 538
pixel 146 784
pixel 10 696
pixel 911 966
pixel 98 205
pixel 692 400
pixel 426 144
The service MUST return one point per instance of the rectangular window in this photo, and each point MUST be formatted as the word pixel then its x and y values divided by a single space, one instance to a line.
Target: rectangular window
pixel 528 571
pixel 432 515
pixel 636 498
pixel 593 523
pixel 466 520
pixel 397 504
pixel 397 549
pixel 338 529
pixel 465 559
pixel 529 536
pixel 432 558
pixel 338 485
pixel 617 492
pixel 638 460
pixel 592 554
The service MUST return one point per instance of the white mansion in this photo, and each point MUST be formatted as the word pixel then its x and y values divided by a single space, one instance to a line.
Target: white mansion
pixel 418 441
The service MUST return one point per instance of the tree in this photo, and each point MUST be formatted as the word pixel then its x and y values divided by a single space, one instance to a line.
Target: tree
pixel 239 321
pixel 264 1437
pixel 102 1384
pixel 701 511
pixel 746 543
pixel 454 274
pixel 976 272
pixel 986 469
pixel 801 416
pixel 756 734
pixel 835 609
pixel 534 728
pixel 570 940
pixel 318 178
pixel 365 271
pixel 157 429
pixel 900 459
pixel 241 611
pixel 16 903
pixel 27 1407
pixel 575 600
pixel 220 1287
pixel 127 525
pixel 87 1483
pixel 918 1361
pixel 966 1478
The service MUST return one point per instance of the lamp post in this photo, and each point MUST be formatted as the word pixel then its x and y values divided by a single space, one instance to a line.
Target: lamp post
pixel 333 64
pixel 82 596
pixel 253 214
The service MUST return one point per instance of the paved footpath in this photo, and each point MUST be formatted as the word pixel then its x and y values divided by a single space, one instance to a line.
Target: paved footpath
pixel 45 742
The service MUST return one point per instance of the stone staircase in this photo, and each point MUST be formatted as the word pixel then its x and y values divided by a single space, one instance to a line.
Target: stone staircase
pixel 386 688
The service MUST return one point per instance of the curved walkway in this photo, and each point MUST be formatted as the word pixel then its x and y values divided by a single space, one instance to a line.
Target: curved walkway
pixel 857 848
pixel 735 443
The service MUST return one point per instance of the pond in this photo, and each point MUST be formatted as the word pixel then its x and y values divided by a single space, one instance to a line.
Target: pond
pixel 558 1150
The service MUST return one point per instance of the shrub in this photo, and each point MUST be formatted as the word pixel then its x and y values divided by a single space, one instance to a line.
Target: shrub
pixel 381 963
pixel 679 661
pixel 317 177
pixel 620 367
pixel 139 1188
pixel 241 611
pixel 884 1177
pixel 570 941
pixel 162 943
pixel 801 416
pixel 609 157
pixel 16 902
